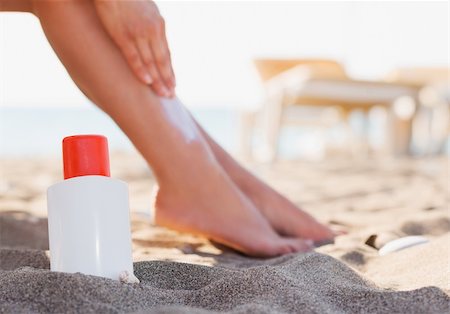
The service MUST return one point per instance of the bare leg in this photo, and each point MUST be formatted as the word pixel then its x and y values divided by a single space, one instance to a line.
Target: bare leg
pixel 16 5
pixel 196 194
pixel 282 214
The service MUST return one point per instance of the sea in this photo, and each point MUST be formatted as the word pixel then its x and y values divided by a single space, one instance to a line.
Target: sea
pixel 38 131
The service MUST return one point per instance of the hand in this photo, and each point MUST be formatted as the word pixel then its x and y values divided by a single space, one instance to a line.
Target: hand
pixel 139 31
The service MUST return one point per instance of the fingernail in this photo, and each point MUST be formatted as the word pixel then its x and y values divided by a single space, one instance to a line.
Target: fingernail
pixel 148 79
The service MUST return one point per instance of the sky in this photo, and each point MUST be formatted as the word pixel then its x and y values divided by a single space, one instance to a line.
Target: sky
pixel 213 45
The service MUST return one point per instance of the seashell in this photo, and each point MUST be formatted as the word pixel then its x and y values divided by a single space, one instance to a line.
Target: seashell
pixel 402 243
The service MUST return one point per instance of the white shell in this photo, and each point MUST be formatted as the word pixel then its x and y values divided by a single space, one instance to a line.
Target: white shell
pixel 402 243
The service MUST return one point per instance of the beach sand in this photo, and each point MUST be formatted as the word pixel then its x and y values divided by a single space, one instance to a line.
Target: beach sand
pixel 375 201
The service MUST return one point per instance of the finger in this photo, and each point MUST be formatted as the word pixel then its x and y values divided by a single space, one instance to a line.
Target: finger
pixel 149 63
pixel 133 58
pixel 163 59
pixel 160 49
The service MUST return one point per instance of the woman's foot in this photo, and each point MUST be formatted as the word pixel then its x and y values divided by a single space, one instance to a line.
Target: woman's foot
pixel 209 204
pixel 285 217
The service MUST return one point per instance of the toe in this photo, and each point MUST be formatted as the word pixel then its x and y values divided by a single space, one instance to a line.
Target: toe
pixel 299 245
pixel 337 231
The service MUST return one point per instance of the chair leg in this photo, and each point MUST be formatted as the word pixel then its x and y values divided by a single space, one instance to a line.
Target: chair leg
pixel 439 128
pixel 272 119
pixel 366 148
pixel 350 137
pixel 401 115
pixel 246 129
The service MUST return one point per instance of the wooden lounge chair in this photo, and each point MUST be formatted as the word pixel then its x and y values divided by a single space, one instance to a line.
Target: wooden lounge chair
pixel 325 83
pixel 432 125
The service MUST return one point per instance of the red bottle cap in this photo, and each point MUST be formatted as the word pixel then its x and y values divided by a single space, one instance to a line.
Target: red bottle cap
pixel 85 155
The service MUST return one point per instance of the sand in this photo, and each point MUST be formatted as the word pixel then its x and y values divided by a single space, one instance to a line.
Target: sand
pixel 375 201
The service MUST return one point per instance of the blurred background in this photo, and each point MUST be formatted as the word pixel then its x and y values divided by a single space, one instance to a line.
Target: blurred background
pixel 268 80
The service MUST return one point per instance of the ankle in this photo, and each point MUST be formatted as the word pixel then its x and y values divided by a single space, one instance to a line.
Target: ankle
pixel 194 169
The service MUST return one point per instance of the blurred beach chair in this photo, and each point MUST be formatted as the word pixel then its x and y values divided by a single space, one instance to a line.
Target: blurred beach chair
pixel 431 129
pixel 315 82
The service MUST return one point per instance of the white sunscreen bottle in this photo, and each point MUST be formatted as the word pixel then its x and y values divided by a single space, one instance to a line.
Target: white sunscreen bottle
pixel 88 214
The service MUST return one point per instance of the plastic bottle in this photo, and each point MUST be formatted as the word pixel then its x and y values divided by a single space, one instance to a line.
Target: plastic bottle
pixel 88 214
